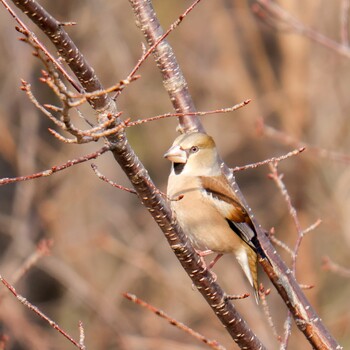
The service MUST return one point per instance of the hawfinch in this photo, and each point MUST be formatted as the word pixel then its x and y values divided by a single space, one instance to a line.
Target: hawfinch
pixel 205 205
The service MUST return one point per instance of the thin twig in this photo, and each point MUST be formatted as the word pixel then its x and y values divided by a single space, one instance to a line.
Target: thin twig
pixel 287 326
pixel 130 190
pixel 300 235
pixel 211 343
pixel 158 41
pixel 329 265
pixel 281 244
pixel 33 308
pixel 43 248
pixel 55 168
pixel 271 11
pixel 200 113
pixel 277 178
pixel 110 182
pixel 263 293
pixel 289 140
pixel 173 79
pixel 270 160
pixel 42 47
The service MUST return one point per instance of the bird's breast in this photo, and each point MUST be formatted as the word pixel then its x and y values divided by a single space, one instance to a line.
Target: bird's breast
pixel 198 215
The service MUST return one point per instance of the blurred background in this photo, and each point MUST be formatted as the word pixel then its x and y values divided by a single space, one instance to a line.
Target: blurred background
pixel 104 241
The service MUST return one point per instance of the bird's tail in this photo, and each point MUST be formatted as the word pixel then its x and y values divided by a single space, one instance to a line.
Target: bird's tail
pixel 247 258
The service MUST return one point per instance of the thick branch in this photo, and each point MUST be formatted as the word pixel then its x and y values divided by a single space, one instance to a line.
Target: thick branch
pixel 281 276
pixel 173 79
pixel 306 318
pixel 138 175
pixel 66 48
pixel 159 209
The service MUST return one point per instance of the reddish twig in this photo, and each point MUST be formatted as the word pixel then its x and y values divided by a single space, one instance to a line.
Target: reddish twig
pixel 159 40
pixel 33 308
pixel 110 182
pixel 176 86
pixel 306 286
pixel 274 14
pixel 292 211
pixel 55 168
pixel 277 178
pixel 130 190
pixel 67 50
pixel 279 243
pixel 329 265
pixel 263 293
pixel 203 113
pixel 43 248
pixel 211 343
pixel 42 47
pixel 291 141
pixel 270 160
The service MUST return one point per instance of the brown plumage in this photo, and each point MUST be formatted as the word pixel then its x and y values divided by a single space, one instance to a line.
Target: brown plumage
pixel 210 212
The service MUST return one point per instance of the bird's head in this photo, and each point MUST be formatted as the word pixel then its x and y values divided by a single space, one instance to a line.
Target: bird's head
pixel 194 154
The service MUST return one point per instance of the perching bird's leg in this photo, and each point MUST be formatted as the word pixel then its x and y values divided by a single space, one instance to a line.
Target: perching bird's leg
pixel 203 253
pixel 213 262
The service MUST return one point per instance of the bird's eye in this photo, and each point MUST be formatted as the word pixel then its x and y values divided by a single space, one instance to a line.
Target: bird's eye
pixel 194 149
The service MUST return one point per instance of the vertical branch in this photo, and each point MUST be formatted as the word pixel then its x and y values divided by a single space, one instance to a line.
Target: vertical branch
pixel 214 295
pixel 173 79
pixel 138 175
pixel 306 318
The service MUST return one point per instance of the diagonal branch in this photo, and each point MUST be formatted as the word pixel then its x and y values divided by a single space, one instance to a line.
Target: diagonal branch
pixel 211 343
pixel 33 308
pixel 66 49
pixel 138 175
pixel 173 80
pixel 54 169
pixel 306 318
pixel 277 14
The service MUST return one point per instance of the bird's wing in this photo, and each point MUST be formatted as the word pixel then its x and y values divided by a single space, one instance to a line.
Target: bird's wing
pixel 229 206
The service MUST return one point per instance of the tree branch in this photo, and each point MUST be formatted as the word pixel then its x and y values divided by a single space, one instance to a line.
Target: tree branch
pixel 306 318
pixel 280 275
pixel 137 173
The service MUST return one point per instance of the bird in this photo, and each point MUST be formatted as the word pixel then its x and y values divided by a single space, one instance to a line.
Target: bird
pixel 207 208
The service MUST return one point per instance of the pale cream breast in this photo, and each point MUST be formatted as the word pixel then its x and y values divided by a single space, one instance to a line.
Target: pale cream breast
pixel 200 219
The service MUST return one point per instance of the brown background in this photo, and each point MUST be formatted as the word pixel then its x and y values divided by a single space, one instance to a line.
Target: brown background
pixel 105 242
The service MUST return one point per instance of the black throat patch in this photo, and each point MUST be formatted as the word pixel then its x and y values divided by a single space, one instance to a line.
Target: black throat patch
pixel 178 167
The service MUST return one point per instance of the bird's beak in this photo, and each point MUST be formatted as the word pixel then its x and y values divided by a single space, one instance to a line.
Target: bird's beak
pixel 176 155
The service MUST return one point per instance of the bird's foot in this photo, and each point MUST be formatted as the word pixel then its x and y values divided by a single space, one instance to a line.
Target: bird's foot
pixel 203 253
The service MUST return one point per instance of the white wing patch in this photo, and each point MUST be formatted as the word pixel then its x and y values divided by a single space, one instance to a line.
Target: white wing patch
pixel 222 207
